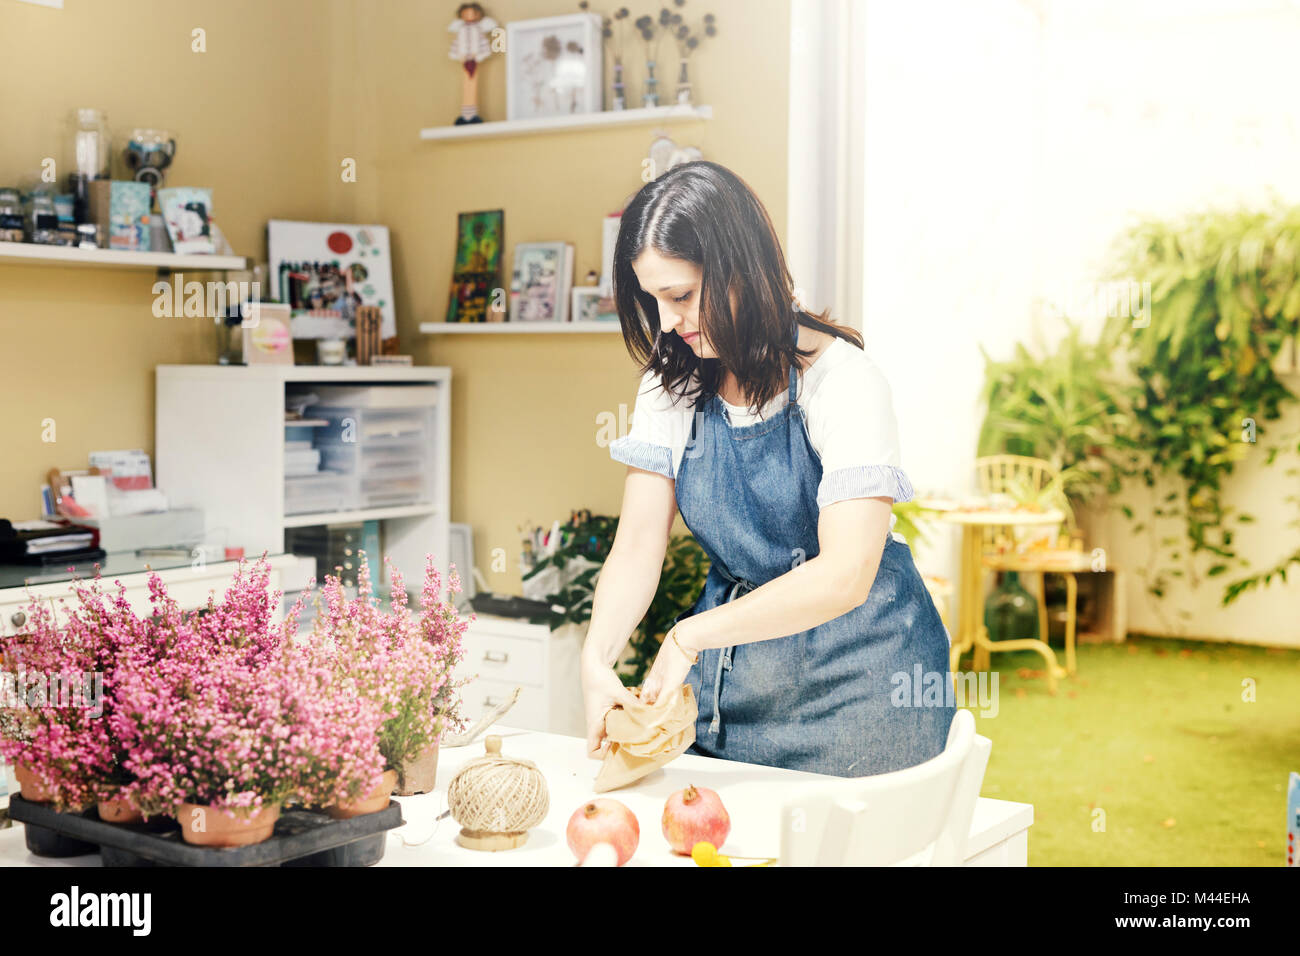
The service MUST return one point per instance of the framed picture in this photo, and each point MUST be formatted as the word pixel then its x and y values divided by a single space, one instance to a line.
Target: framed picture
pixel 554 66
pixel 606 310
pixel 325 271
pixel 540 282
pixel 608 238
pixel 477 272
pixel 267 339
pixel 187 214
pixel 586 303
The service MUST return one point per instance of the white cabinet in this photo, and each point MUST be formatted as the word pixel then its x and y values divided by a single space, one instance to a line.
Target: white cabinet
pixel 220 446
pixel 189 585
pixel 504 653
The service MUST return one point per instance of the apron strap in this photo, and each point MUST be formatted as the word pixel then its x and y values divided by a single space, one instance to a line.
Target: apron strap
pixel 794 366
pixel 724 660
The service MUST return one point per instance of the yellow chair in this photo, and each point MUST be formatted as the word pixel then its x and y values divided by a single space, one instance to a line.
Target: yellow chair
pixel 1026 478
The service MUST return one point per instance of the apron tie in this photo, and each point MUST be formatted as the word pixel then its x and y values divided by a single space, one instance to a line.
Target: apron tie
pixel 724 662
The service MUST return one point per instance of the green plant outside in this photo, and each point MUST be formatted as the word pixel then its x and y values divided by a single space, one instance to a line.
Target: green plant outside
pixel 1182 391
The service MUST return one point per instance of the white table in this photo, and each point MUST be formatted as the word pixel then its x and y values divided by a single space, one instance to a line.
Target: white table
pixel 753 796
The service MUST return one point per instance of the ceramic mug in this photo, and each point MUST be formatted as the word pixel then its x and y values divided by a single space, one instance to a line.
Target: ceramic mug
pixel 331 351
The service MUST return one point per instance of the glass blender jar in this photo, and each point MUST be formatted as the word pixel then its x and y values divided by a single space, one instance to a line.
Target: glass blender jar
pixel 90 157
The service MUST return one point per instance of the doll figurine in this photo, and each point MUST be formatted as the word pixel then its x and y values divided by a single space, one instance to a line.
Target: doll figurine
pixel 471 46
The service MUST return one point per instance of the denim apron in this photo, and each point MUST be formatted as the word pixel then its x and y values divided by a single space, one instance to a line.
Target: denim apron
pixel 840 698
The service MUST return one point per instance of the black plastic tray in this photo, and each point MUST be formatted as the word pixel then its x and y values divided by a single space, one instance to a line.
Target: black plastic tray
pixel 301 838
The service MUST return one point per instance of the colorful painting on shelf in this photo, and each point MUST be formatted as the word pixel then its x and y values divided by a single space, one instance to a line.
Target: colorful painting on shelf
pixel 325 271
pixel 477 273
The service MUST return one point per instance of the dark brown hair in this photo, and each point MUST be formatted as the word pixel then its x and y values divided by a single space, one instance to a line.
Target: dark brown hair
pixel 705 214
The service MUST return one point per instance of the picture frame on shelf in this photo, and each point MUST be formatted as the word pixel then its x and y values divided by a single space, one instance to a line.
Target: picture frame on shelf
pixel 187 213
pixel 267 336
pixel 554 66
pixel 585 306
pixel 541 278
pixel 608 238
pixel 325 271
pixel 476 275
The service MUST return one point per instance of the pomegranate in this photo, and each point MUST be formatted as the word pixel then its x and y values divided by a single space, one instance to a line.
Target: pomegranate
pixel 603 821
pixel 693 815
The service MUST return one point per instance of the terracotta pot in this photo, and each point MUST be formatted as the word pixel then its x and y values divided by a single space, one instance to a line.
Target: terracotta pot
pixel 210 826
pixel 376 801
pixel 119 811
pixel 31 786
pixel 418 776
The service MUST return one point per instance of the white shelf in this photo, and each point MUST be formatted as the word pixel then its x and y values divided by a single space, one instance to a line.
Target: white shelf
pixel 304 373
pixel 219 443
pixel 352 517
pixel 516 328
pixel 579 121
pixel 35 254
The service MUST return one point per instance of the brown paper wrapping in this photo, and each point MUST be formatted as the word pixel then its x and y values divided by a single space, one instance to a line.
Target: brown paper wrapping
pixel 646 736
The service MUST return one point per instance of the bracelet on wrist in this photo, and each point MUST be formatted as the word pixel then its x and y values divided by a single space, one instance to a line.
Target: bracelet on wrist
pixel 672 636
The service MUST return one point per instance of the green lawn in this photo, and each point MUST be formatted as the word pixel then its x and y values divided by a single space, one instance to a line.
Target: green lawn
pixel 1155 733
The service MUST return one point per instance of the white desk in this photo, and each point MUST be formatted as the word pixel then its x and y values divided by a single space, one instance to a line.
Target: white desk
pixel 753 796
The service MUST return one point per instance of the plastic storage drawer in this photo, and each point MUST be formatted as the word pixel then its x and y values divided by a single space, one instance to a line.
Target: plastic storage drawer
pixel 325 491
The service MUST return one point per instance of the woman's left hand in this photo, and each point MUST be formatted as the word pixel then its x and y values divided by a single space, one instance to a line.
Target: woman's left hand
pixel 669 669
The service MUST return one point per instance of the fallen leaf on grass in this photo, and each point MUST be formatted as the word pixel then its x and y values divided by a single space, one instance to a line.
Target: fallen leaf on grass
pixel 1148 758
pixel 1169 824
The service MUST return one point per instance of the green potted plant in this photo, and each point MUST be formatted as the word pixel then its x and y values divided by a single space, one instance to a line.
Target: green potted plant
pixel 587 541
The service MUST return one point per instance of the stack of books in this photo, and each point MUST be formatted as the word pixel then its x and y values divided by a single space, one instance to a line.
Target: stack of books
pixel 46 543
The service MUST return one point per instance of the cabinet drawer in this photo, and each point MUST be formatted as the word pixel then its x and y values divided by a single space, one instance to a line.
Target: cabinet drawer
pixel 528 713
pixel 498 657
pixel 190 591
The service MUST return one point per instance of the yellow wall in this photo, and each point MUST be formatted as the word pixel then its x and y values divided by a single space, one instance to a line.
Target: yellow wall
pixel 286 91
pixel 79 346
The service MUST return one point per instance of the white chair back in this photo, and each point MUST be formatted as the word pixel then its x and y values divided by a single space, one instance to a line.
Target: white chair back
pixel 918 816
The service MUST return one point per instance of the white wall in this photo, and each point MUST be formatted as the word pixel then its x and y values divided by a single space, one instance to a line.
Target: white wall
pixel 950 167
pixel 1008 144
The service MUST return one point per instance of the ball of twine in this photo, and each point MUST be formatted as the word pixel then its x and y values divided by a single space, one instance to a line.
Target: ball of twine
pixel 498 794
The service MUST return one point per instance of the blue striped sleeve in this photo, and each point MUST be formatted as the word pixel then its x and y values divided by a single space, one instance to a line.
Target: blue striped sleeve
pixel 643 455
pixel 864 481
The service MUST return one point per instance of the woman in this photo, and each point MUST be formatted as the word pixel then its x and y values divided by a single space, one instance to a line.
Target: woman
pixel 773 434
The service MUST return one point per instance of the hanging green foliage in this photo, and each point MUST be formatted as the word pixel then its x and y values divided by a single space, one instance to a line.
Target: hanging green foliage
pixel 1224 297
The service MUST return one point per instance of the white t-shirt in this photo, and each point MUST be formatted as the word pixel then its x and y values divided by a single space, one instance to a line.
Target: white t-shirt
pixel 850 417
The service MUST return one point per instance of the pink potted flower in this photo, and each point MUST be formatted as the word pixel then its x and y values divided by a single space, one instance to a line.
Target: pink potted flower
pixel 54 728
pixel 235 719
pixel 398 660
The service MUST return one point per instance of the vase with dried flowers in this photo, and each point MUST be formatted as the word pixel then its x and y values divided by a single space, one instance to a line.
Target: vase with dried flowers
pixel 613 29
pixel 688 40
pixel 652 31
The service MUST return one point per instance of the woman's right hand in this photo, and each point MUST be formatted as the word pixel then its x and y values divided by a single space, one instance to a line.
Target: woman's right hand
pixel 602 691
